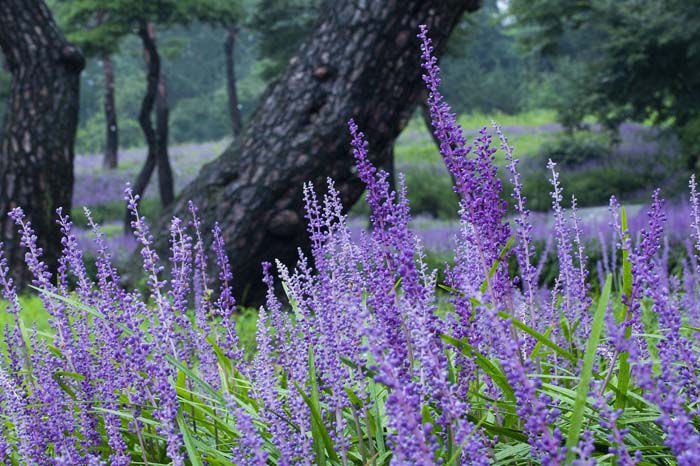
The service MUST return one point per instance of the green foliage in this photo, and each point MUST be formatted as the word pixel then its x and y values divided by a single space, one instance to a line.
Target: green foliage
pixel 594 170
pixel 113 211
pixel 282 25
pixel 592 186
pixel 106 28
pixel 690 143
pixel 573 151
pixel 624 60
pixel 430 190
pixel 33 313
pixel 206 424
pixel 98 26
pixel 186 118
pixel 484 70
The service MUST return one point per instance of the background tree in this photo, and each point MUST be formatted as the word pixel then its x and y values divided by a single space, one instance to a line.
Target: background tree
pixel 113 20
pixel 361 61
pixel 229 16
pixel 87 24
pixel 36 149
pixel 234 109
pixel 156 138
pixel 282 25
pixel 624 60
pixel 487 71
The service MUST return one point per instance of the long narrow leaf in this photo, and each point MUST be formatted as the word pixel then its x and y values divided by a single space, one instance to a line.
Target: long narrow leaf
pixel 587 370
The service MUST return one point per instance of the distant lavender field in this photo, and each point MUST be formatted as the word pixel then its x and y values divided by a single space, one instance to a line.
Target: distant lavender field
pixel 438 237
pixel 95 186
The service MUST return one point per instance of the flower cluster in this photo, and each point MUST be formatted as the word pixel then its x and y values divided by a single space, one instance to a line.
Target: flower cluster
pixel 365 358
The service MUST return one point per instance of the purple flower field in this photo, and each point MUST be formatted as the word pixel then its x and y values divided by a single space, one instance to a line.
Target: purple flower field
pixel 366 359
pixel 96 186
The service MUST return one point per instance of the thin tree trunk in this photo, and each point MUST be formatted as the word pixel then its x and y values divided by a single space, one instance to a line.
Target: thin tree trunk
pixel 165 173
pixel 112 127
pixel 152 61
pixel 36 149
pixel 229 45
pixel 362 62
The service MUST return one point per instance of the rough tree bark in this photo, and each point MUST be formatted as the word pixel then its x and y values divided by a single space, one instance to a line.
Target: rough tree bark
pixel 151 58
pixel 362 62
pixel 229 45
pixel 36 149
pixel 111 125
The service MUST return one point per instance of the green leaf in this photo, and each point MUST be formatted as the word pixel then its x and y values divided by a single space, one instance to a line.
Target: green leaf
pixel 491 369
pixel 323 444
pixel 538 346
pixel 58 377
pixel 587 370
pixel 624 373
pixel 494 266
pixel 539 337
pixel 192 451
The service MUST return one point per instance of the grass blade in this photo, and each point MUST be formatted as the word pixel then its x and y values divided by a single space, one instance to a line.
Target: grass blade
pixel 587 370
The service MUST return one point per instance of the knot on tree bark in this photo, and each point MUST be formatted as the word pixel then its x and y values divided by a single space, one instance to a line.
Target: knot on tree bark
pixel 323 72
pixel 284 224
pixel 72 58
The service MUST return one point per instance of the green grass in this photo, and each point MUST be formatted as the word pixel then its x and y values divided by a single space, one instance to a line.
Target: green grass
pixel 531 118
pixel 114 211
pixel 32 314
pixel 415 144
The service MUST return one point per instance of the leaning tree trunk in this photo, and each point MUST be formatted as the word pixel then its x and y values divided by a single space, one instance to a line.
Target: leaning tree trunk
pixel 165 173
pixel 362 62
pixel 112 128
pixel 36 149
pixel 236 120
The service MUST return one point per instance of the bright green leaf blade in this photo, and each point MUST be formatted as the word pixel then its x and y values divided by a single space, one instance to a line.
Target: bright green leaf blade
pixel 587 370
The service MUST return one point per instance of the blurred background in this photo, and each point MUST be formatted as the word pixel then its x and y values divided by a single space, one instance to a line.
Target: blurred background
pixel 610 90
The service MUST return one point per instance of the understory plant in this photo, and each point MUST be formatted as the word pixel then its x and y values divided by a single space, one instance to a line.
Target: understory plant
pixel 366 359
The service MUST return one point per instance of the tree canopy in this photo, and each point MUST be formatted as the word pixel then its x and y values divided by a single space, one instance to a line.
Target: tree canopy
pixel 621 60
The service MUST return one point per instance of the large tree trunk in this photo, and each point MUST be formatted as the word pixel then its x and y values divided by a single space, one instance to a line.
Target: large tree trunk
pixel 236 120
pixel 362 62
pixel 112 128
pixel 36 150
pixel 165 173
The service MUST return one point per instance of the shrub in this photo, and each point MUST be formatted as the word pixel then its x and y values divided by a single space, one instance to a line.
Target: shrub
pixel 369 366
pixel 430 190
pixel 690 144
pixel 572 151
pixel 594 169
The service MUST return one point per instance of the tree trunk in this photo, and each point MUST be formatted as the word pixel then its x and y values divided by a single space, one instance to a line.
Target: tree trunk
pixel 155 155
pixel 165 173
pixel 36 149
pixel 236 120
pixel 112 128
pixel 362 62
